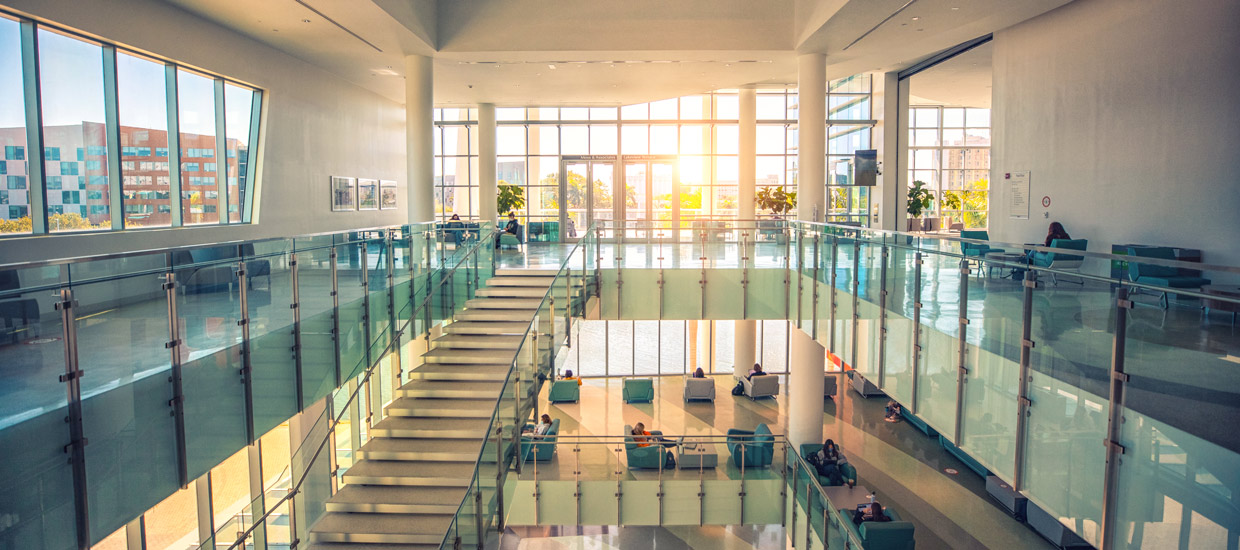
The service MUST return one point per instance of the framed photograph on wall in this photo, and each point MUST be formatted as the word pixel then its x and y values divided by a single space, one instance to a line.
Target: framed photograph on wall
pixel 367 194
pixel 344 194
pixel 387 195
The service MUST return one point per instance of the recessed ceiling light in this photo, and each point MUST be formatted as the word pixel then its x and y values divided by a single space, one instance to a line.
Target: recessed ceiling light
pixel 954 8
pixel 551 66
pixel 916 19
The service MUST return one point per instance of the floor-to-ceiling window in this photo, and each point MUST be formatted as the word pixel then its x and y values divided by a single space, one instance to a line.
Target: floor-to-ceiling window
pixel 694 138
pixel 949 151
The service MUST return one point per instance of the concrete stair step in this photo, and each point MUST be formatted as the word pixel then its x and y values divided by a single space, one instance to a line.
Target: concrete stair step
pixel 411 473
pixel 529 272
pixel 450 390
pixel 429 450
pixel 540 281
pixel 510 315
pixel 473 341
pixel 376 499
pixel 381 528
pixel 469 356
pixel 526 304
pixel 437 428
pixel 364 546
pixel 514 292
pixel 406 407
pixel 488 328
pixel 469 372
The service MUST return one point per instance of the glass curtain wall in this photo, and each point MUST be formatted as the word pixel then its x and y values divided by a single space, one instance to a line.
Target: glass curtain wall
pixel 676 348
pixel 949 150
pixel 700 131
pixel 104 164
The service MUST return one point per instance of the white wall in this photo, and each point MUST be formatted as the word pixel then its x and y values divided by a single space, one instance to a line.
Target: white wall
pixel 316 125
pixel 1126 114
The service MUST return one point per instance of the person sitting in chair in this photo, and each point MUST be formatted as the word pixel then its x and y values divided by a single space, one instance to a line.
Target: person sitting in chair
pixel 755 371
pixel 873 512
pixel 827 462
pixel 568 375
pixel 511 228
pixel 1054 231
pixel 457 229
pixel 541 429
pixel 699 373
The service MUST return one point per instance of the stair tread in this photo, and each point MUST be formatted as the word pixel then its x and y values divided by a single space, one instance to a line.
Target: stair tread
pixel 389 494
pixel 469 341
pixel 432 424
pixel 463 470
pixel 500 355
pixel 426 445
pixel 409 524
pixel 492 321
pixel 455 385
pixel 498 370
pixel 365 546
pixel 465 404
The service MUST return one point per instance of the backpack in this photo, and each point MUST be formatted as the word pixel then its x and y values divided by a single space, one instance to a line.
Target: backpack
pixel 739 389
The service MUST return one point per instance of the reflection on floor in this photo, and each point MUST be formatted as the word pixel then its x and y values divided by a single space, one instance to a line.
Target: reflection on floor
pixel 904 468
pixel 758 537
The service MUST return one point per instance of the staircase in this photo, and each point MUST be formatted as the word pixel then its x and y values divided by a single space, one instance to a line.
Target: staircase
pixel 411 477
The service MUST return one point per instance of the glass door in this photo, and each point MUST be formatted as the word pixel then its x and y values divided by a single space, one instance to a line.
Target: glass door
pixel 588 186
pixel 636 207
pixel 664 203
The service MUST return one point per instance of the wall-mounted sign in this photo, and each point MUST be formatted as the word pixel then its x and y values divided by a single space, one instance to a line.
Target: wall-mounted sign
pixel 1046 201
pixel 344 194
pixel 1017 189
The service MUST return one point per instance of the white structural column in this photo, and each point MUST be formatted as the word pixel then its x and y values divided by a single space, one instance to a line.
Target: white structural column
pixel 487 190
pixel 419 137
pixel 808 366
pixel 746 343
pixel 807 357
pixel 812 145
pixel 747 330
pixel 893 135
pixel 748 161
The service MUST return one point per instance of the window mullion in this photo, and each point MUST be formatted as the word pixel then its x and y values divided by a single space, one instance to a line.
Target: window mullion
pixel 174 145
pixel 112 127
pixel 221 160
pixel 36 168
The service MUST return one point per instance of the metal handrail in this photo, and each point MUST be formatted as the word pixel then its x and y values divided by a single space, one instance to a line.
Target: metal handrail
pixel 296 487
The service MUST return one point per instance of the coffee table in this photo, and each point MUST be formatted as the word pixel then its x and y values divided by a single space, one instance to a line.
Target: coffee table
pixel 1229 291
pixel 844 496
pixel 696 456
pixel 1001 257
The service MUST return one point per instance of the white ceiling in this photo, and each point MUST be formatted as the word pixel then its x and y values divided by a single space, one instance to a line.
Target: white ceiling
pixel 962 81
pixel 502 48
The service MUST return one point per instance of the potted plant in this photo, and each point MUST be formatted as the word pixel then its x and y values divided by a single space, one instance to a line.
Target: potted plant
pixel 918 201
pixel 510 197
pixel 779 202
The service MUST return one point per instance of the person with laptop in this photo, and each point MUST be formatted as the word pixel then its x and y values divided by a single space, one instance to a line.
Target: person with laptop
pixel 869 512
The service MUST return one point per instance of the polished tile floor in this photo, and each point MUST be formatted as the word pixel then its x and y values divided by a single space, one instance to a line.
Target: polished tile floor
pixel 906 469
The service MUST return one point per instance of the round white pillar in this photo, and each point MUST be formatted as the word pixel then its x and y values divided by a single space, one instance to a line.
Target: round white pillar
pixel 487 184
pixel 747 162
pixel 808 365
pixel 419 138
pixel 812 141
pixel 746 342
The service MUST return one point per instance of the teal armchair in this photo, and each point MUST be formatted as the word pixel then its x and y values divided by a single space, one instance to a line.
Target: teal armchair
pixel 638 390
pixel 650 456
pixel 564 391
pixel 540 448
pixel 896 534
pixel 973 251
pixel 758 447
pixel 1060 260
pixel 1164 276
pixel 846 470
